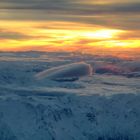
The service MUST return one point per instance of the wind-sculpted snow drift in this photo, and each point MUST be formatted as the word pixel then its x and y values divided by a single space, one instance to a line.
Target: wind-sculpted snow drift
pixel 69 72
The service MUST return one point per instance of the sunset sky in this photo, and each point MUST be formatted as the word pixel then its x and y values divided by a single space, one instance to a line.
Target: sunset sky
pixel 70 25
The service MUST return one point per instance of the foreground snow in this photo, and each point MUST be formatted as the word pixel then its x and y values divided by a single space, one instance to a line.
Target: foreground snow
pixel 100 107
pixel 70 117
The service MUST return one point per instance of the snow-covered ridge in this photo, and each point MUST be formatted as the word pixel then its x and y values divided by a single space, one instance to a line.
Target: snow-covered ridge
pixel 69 72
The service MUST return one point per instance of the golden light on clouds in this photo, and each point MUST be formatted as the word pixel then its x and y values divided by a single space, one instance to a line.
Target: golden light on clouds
pixel 102 34
pixel 62 36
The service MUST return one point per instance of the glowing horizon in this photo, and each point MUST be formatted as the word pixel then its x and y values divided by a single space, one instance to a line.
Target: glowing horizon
pixel 85 26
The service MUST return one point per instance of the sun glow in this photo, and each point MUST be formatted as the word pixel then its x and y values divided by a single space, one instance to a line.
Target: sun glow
pixel 103 34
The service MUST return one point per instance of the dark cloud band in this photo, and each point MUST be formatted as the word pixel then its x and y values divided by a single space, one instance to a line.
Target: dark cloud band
pixel 114 14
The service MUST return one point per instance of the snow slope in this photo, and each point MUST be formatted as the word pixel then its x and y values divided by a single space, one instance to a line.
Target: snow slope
pixel 105 106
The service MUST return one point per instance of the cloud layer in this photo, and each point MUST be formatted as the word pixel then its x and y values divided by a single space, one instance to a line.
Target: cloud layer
pixel 66 25
pixel 111 13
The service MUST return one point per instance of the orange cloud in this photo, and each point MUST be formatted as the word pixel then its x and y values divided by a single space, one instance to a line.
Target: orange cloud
pixel 65 36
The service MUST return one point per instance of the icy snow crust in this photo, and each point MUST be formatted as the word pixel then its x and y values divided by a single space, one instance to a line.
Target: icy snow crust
pixel 105 106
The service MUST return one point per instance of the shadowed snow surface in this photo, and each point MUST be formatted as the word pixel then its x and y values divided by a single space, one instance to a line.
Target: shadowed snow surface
pixel 105 106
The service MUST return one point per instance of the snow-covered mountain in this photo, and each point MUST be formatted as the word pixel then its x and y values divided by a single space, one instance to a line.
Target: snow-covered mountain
pixel 105 106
